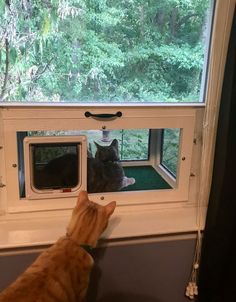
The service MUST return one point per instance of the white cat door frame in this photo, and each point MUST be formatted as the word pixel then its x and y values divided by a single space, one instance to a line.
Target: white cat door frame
pixel 81 145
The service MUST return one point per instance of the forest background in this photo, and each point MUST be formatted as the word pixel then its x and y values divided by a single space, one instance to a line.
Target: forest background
pixel 102 50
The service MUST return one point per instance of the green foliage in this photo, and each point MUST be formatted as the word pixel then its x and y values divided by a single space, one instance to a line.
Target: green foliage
pixel 170 149
pixel 102 50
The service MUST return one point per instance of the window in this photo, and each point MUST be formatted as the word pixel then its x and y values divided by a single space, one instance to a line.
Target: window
pixel 140 153
pixel 170 150
pixel 104 51
pixel 133 143
pixel 175 141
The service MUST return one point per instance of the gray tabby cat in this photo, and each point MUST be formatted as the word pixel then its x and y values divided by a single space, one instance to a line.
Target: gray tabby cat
pixel 105 172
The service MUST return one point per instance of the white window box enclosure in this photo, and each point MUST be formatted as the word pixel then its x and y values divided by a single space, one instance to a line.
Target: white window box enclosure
pixel 155 149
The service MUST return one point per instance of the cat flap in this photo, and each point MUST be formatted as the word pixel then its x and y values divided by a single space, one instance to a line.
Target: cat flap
pixel 55 166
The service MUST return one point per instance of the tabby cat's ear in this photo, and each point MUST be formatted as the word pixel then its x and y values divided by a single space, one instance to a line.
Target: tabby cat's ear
pixel 110 208
pixel 114 143
pixel 83 197
pixel 97 145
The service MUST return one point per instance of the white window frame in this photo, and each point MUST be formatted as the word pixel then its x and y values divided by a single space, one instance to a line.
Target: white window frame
pixel 137 118
pixel 130 219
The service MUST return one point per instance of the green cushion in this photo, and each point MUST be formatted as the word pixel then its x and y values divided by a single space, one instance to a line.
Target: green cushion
pixel 146 178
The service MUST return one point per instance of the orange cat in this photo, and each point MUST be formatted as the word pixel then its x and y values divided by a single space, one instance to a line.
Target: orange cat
pixel 61 273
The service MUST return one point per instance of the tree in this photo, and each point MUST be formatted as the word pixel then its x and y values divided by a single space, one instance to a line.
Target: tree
pixel 102 50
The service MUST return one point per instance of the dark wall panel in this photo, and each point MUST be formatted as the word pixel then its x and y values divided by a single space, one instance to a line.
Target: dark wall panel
pixel 150 272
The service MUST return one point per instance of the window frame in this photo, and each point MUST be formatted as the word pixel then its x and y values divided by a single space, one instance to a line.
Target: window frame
pixel 30 229
pixel 139 118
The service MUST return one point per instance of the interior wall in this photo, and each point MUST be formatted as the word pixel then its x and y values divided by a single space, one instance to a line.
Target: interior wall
pixel 150 272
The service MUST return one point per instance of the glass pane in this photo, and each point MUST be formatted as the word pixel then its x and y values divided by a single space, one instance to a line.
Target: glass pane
pixel 54 166
pixel 117 160
pixel 133 144
pixel 170 150
pixel 103 51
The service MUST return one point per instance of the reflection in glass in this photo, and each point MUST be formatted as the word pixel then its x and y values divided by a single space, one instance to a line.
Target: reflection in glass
pixel 170 149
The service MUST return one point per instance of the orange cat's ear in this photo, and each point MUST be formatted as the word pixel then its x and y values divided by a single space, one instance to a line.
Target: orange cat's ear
pixel 83 197
pixel 110 208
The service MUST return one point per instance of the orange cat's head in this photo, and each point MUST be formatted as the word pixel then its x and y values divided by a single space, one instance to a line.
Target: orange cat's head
pixel 89 220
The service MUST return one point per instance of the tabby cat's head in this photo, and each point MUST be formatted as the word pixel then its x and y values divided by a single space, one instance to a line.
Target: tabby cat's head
pixel 108 153
pixel 89 220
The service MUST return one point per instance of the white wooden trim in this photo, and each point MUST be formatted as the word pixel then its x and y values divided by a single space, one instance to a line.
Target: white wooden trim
pixel 133 119
pixel 69 113
pixel 125 223
pixel 99 105
pixel 221 32
pixel 104 243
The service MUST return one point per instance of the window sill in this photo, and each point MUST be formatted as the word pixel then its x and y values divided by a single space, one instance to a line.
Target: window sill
pixel 46 228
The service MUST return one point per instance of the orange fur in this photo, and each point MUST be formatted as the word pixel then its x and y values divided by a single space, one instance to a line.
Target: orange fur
pixel 61 273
